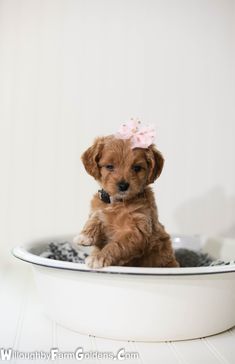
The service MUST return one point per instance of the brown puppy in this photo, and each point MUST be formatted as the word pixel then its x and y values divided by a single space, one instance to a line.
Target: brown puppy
pixel 123 223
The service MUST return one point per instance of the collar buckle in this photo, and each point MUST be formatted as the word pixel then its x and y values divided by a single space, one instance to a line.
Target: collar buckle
pixel 104 196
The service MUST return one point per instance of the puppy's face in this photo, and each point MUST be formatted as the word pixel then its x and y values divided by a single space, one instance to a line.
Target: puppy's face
pixel 123 172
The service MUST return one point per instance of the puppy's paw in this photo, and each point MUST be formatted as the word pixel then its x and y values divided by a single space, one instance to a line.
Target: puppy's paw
pixel 97 261
pixel 83 239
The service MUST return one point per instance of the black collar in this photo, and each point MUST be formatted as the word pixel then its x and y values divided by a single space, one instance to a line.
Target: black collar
pixel 104 196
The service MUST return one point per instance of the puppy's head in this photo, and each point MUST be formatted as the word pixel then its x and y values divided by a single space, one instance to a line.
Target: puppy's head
pixel 123 172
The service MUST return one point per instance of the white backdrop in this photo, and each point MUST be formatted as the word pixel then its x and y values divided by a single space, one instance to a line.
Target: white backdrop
pixel 74 69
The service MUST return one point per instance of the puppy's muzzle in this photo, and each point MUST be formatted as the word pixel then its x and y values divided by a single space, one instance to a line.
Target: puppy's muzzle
pixel 123 186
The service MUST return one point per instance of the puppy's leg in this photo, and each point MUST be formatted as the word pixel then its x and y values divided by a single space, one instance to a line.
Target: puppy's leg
pixel 92 233
pixel 116 252
pixel 124 246
pixel 92 257
pixel 162 253
pixel 167 256
pixel 173 264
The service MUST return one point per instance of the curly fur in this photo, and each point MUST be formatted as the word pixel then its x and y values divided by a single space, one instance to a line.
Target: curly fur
pixel 127 231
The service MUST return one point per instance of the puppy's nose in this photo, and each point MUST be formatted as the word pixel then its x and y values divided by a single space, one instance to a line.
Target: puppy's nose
pixel 123 186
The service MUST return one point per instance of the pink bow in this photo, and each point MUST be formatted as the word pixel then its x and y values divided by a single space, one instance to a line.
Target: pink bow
pixel 140 135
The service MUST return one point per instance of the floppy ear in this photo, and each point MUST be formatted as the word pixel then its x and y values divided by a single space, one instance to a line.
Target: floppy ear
pixel 155 161
pixel 91 156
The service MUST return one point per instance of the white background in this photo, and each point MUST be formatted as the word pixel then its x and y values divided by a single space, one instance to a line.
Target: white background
pixel 71 70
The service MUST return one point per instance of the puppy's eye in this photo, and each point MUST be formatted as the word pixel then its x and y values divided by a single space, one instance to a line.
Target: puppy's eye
pixel 136 168
pixel 110 167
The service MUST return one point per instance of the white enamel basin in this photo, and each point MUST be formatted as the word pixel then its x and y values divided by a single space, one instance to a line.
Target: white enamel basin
pixel 141 304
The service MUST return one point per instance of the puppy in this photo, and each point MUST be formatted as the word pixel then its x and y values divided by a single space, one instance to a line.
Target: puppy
pixel 123 225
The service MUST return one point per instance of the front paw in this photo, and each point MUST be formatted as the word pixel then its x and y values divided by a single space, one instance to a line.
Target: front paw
pixel 83 239
pixel 98 261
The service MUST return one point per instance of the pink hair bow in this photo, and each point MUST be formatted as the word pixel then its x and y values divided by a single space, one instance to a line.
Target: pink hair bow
pixel 140 135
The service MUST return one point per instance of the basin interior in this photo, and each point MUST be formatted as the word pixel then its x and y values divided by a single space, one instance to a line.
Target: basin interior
pixel 216 247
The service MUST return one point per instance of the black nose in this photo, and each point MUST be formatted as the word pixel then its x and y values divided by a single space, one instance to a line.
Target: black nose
pixel 123 186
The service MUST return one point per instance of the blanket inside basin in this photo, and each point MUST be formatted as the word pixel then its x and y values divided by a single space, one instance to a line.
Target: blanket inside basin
pixel 187 258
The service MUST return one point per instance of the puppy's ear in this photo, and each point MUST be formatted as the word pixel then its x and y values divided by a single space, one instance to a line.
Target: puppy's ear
pixel 155 161
pixel 91 157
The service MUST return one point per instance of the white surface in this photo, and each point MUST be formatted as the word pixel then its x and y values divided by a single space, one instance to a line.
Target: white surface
pixel 72 70
pixel 141 304
pixel 24 327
